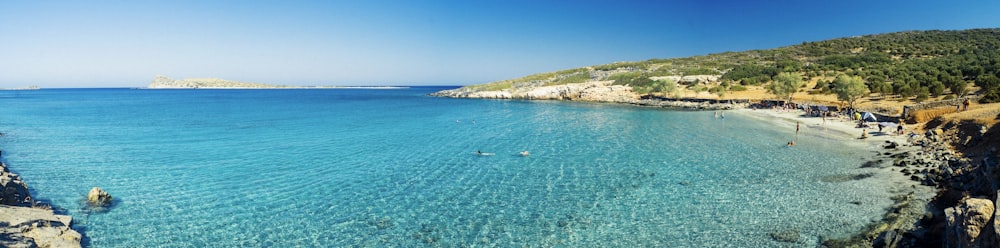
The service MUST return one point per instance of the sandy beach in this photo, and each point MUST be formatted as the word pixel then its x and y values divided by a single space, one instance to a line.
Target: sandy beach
pixel 909 195
pixel 831 127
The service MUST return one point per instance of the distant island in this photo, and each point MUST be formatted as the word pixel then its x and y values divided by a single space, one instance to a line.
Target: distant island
pixel 33 87
pixel 164 82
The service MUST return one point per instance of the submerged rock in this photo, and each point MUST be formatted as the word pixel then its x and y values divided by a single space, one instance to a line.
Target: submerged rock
pixel 845 177
pixel 872 164
pixel 99 198
pixel 789 236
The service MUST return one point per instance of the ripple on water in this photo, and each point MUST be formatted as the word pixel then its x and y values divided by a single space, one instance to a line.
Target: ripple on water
pixel 313 168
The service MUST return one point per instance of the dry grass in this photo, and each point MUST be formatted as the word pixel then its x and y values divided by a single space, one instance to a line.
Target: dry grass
pixel 986 114
pixel 921 116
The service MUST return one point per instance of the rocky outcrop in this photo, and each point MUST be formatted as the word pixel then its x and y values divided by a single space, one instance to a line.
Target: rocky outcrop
pixel 597 91
pixel 24 225
pixel 13 191
pixel 97 197
pixel 35 227
pixel 970 224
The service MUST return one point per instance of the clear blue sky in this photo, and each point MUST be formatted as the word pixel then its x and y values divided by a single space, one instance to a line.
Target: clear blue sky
pixel 126 43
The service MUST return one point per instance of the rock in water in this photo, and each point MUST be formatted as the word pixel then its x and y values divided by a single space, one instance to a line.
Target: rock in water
pixel 790 236
pixel 98 197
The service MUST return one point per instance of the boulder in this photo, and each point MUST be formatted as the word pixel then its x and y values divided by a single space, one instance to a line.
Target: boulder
pixel 969 224
pixel 887 239
pixel 13 191
pixel 34 227
pixel 99 197
pixel 996 223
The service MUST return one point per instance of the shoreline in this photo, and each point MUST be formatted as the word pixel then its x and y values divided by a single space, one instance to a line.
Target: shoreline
pixel 26 223
pixel 909 167
pixel 910 197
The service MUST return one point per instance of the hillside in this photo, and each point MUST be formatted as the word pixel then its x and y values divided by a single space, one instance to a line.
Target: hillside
pixel 163 82
pixel 903 67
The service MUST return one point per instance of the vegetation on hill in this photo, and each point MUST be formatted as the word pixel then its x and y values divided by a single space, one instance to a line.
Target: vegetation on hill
pixel 912 65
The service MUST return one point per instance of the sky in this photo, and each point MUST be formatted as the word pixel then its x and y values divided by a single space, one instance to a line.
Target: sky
pixel 126 43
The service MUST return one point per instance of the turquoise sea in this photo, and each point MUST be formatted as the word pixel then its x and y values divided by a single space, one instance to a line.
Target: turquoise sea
pixel 397 168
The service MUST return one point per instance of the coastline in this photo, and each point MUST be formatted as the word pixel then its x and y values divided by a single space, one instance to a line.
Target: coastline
pixel 26 223
pixel 911 167
pixel 910 197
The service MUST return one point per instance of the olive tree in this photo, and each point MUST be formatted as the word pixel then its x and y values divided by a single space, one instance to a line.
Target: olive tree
pixel 785 85
pixel 849 89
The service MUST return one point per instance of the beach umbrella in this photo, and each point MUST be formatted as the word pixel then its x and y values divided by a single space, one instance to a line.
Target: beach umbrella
pixel 868 116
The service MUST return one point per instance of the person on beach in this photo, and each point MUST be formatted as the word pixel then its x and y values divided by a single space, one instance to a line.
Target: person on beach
pixel 791 143
pixel 797 127
pixel 899 129
pixel 864 134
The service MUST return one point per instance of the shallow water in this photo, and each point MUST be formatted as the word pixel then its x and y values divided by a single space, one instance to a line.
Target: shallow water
pixel 362 167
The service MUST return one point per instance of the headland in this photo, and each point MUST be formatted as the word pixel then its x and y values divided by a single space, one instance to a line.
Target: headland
pixel 948 106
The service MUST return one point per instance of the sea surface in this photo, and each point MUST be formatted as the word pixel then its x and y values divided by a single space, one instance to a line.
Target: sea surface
pixel 397 168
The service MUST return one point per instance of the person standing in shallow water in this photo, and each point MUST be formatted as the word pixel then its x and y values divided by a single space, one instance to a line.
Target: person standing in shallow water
pixel 797 127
